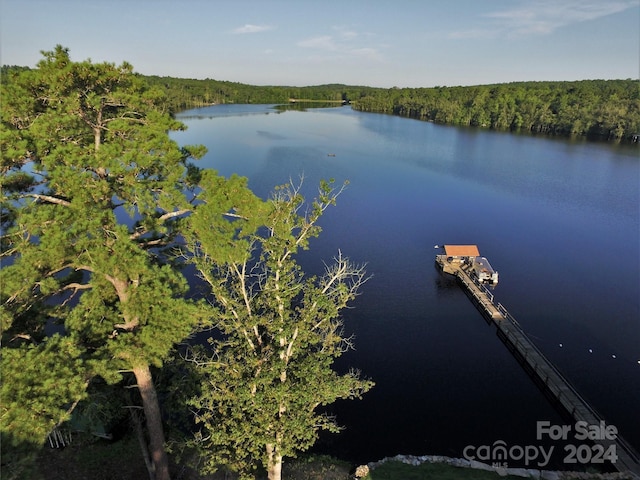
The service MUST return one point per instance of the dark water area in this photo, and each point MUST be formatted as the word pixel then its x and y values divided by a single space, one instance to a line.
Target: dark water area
pixel 559 220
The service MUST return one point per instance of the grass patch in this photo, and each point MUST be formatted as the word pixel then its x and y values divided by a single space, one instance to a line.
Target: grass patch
pixel 97 460
pixel 316 467
pixel 433 471
pixel 121 460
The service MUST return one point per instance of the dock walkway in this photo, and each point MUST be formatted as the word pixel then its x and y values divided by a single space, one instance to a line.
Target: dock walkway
pixel 552 382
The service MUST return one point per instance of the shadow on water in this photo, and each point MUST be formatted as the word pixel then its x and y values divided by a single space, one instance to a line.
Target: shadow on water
pixel 305 106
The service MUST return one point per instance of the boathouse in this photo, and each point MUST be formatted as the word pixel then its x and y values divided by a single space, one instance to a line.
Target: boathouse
pixel 468 256
pixel 458 252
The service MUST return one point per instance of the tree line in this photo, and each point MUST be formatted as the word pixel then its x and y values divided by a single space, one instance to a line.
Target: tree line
pixel 101 215
pixel 181 94
pixel 599 109
pixel 607 109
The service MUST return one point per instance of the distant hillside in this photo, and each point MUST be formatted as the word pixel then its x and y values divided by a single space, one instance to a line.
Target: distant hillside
pixel 188 93
pixel 605 109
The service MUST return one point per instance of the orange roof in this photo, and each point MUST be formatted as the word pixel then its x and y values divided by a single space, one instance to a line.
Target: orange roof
pixel 462 250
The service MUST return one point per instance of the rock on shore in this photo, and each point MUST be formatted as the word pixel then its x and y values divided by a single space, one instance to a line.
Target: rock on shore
pixel 518 472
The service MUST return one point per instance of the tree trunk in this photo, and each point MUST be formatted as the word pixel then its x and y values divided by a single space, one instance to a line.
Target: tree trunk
pixel 153 421
pixel 144 448
pixel 274 467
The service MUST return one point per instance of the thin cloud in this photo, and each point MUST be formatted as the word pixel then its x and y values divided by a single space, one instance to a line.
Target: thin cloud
pixel 345 33
pixel 366 52
pixel 342 43
pixel 249 28
pixel 475 33
pixel 542 17
pixel 325 42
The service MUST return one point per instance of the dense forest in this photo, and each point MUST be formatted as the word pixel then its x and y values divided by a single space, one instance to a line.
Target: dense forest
pixel 608 109
pixel 189 93
pixel 604 109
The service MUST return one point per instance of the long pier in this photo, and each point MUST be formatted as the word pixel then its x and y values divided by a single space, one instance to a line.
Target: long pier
pixel 546 375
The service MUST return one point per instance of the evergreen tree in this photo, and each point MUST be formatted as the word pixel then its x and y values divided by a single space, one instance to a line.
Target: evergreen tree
pixel 93 190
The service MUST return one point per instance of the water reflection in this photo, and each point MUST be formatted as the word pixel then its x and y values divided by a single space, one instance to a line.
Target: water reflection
pixel 559 219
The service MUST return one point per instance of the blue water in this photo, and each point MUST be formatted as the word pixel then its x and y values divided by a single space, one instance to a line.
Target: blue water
pixel 559 220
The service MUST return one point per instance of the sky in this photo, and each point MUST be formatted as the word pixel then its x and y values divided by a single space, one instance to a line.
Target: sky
pixel 378 43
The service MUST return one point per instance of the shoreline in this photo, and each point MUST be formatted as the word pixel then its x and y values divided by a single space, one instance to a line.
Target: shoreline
pixel 503 471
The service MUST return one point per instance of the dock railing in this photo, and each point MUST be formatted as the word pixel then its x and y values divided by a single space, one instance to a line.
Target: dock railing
pixel 561 396
pixel 548 364
pixel 554 381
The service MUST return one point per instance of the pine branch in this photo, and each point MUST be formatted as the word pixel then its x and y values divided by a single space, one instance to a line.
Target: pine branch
pixel 234 215
pixel 49 199
pixel 177 213
pixel 161 218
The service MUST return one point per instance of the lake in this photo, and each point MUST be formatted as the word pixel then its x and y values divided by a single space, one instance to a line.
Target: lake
pixel 557 218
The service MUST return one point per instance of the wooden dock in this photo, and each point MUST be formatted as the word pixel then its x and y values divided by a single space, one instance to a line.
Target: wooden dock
pixel 544 373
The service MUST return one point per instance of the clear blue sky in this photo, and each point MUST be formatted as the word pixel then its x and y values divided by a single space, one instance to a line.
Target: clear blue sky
pixel 381 43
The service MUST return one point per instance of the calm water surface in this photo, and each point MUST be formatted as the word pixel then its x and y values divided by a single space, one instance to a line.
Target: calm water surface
pixel 558 219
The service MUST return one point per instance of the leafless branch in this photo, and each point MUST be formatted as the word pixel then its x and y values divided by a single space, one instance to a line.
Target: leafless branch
pixel 23 336
pixel 77 286
pixel 161 218
pixel 49 199
pixel 177 213
pixel 234 215
pixel 200 360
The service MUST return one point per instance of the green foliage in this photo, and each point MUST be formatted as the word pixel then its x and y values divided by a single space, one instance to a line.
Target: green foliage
pixel 96 145
pixel 84 145
pixel 182 93
pixel 40 385
pixel 270 369
pixel 32 388
pixel 94 207
pixel 608 109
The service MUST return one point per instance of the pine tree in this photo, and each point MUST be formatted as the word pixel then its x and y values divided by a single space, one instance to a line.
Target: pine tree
pixel 93 191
